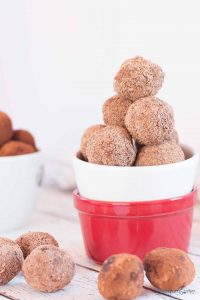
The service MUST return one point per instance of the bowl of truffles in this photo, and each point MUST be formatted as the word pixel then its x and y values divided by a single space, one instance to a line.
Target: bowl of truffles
pixel 135 179
pixel 20 174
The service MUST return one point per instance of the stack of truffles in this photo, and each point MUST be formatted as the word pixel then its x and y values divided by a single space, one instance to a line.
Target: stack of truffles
pixel 138 127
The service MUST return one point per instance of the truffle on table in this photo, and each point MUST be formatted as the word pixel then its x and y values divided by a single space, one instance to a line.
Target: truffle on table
pixel 24 136
pixel 121 277
pixel 6 130
pixel 16 148
pixel 169 269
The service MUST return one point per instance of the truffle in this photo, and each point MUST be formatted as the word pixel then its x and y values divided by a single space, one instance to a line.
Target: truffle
pixel 48 268
pixel 111 146
pixel 138 78
pixel 174 137
pixel 11 260
pixel 169 269
pixel 150 121
pixel 24 136
pixel 31 240
pixel 6 130
pixel 114 110
pixel 16 148
pixel 166 153
pixel 121 277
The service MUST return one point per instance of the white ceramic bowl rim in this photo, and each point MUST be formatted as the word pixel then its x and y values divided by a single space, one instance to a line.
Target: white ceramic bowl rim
pixel 21 156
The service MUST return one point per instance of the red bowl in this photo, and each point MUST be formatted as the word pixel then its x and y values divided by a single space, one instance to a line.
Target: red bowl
pixel 134 227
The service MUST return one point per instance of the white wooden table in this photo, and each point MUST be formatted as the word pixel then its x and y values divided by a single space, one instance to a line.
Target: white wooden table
pixel 55 214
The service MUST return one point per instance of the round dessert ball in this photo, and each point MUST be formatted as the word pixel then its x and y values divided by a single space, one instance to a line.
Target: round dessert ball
pixel 11 260
pixel 138 78
pixel 24 136
pixel 166 153
pixel 6 130
pixel 114 110
pixel 150 121
pixel 16 148
pixel 169 269
pixel 121 277
pixel 86 136
pixel 48 268
pixel 174 137
pixel 111 146
pixel 31 240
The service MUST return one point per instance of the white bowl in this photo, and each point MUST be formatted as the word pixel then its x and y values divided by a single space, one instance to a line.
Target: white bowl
pixel 109 183
pixel 19 180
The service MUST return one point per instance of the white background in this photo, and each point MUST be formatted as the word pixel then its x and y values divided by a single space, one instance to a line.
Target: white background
pixel 58 59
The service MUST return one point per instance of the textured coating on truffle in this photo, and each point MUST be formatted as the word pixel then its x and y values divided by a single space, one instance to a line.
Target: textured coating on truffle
pixel 169 269
pixel 86 136
pixel 174 137
pixel 121 277
pixel 114 110
pixel 111 146
pixel 150 121
pixel 166 153
pixel 11 260
pixel 48 268
pixel 138 78
pixel 24 136
pixel 6 130
pixel 16 148
pixel 31 240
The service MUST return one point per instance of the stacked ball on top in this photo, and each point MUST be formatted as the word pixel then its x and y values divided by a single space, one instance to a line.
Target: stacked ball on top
pixel 139 127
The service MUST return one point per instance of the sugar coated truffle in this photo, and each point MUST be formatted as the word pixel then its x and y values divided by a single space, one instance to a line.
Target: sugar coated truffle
pixel 86 136
pixel 165 153
pixel 111 146
pixel 16 148
pixel 138 78
pixel 174 137
pixel 114 110
pixel 48 268
pixel 6 130
pixel 150 121
pixel 31 240
pixel 169 269
pixel 121 277
pixel 11 260
pixel 24 136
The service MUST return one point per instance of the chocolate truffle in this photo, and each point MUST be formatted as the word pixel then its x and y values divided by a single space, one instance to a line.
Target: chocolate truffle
pixel 24 136
pixel 169 269
pixel 48 268
pixel 114 110
pixel 121 277
pixel 11 260
pixel 138 78
pixel 31 240
pixel 86 136
pixel 6 130
pixel 150 121
pixel 110 146
pixel 166 153
pixel 16 148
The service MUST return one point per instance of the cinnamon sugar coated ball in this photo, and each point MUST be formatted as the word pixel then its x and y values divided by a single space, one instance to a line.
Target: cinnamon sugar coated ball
pixel 24 136
pixel 48 268
pixel 6 130
pixel 16 148
pixel 166 153
pixel 150 121
pixel 87 135
pixel 110 146
pixel 174 137
pixel 138 78
pixel 121 277
pixel 114 110
pixel 31 240
pixel 169 269
pixel 11 260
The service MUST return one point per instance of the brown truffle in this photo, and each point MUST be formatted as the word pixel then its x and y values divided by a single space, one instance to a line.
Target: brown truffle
pixel 150 121
pixel 86 136
pixel 121 277
pixel 31 240
pixel 110 146
pixel 48 268
pixel 6 130
pixel 169 269
pixel 11 260
pixel 16 148
pixel 138 78
pixel 24 136
pixel 114 110
pixel 166 153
